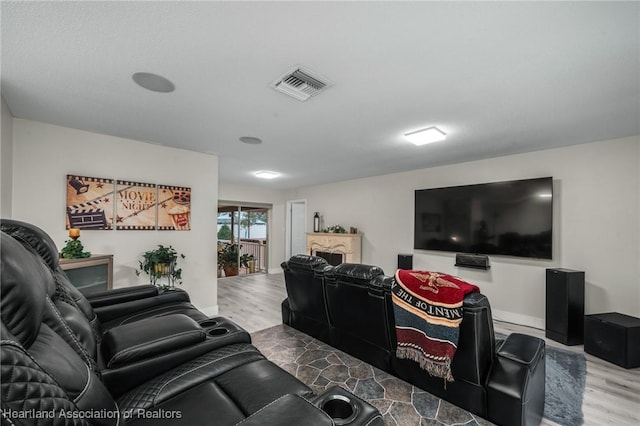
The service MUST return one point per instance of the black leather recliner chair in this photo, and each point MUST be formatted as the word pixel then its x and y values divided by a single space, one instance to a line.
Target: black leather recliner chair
pixel 306 307
pixel 358 310
pixel 500 381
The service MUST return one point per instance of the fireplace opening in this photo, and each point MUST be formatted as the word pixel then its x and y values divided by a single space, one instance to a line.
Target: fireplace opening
pixel 334 259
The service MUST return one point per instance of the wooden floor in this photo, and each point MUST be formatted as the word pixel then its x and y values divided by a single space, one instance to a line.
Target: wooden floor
pixel 612 394
pixel 252 301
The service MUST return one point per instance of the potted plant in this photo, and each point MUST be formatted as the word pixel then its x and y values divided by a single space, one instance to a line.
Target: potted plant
pixel 246 261
pixel 336 229
pixel 228 258
pixel 74 249
pixel 161 263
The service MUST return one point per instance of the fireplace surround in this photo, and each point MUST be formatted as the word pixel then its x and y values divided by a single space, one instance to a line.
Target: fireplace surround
pixel 328 245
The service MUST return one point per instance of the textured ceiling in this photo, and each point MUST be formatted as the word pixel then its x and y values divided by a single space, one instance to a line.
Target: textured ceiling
pixel 497 77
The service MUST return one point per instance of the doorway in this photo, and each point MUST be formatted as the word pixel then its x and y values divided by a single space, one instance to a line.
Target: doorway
pixel 296 230
pixel 242 240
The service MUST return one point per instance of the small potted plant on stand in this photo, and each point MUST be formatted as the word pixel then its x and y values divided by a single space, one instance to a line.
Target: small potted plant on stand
pixel 162 263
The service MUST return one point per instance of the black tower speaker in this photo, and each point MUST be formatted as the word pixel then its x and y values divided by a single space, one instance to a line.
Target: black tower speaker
pixel 564 317
pixel 405 261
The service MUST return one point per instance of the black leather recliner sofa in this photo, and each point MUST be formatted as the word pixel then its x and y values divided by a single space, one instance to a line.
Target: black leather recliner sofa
pixel 177 368
pixel 500 381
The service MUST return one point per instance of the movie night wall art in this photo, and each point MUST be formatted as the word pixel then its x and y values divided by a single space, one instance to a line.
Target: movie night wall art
pixel 102 203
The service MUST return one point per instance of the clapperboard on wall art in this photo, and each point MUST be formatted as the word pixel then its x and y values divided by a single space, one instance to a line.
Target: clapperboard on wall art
pixel 89 202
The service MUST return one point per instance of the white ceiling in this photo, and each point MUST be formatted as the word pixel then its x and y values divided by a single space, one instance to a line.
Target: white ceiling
pixel 497 77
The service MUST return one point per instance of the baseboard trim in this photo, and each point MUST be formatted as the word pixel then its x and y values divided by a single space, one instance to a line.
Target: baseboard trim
pixel 209 311
pixel 519 319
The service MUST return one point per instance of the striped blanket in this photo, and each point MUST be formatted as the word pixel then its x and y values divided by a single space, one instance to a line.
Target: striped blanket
pixel 428 312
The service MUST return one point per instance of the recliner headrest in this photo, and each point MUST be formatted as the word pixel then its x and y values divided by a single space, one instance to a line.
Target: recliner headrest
pixel 38 242
pixel 32 236
pixel 382 283
pixel 23 281
pixel 304 262
pixel 356 272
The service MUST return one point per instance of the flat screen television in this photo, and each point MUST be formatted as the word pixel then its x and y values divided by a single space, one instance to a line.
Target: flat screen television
pixel 511 218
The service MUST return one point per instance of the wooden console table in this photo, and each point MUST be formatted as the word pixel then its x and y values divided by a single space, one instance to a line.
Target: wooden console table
pixel 90 274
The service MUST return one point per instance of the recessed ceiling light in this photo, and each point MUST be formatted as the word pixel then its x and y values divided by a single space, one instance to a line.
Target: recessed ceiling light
pixel 425 136
pixel 153 82
pixel 267 175
pixel 250 140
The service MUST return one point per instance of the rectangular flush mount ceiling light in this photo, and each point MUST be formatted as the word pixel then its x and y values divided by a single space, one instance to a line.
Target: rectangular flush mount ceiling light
pixel 425 136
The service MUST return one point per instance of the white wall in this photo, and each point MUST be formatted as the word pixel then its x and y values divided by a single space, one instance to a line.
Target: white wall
pixel 596 224
pixel 276 222
pixel 44 154
pixel 6 161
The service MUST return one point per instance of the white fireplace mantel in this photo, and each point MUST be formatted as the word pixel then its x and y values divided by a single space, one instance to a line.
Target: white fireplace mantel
pixel 349 245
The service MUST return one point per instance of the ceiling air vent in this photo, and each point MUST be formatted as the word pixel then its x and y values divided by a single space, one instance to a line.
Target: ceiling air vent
pixel 301 84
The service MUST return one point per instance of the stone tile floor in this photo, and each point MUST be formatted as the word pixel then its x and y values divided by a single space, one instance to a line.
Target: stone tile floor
pixel 321 366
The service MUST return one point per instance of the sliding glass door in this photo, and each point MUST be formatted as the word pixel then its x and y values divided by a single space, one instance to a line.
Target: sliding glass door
pixel 242 239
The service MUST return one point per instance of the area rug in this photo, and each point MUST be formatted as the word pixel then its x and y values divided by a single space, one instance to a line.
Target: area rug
pixel 566 373
pixel 565 380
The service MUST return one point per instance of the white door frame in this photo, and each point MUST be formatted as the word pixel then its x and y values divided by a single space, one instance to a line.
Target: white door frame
pixel 288 224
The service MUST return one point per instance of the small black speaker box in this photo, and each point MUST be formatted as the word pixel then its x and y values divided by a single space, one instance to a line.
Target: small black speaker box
pixel 613 337
pixel 477 261
pixel 405 261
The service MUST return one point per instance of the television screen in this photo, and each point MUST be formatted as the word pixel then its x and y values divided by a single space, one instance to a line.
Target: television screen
pixel 511 218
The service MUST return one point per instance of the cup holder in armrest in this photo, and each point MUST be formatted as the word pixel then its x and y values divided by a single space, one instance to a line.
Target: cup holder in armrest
pixel 220 330
pixel 217 331
pixel 208 323
pixel 346 409
pixel 340 408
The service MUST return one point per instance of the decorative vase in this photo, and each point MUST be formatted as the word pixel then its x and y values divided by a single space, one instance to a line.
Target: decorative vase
pixel 316 222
